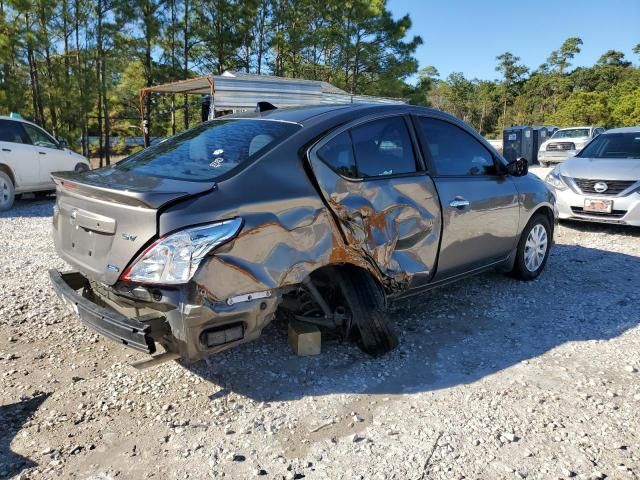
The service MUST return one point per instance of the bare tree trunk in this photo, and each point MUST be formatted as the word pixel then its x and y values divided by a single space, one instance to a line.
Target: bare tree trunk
pixel 185 72
pixel 99 75
pixel 173 64
pixel 80 75
pixel 148 73
pixel 50 71
pixel 66 117
pixel 34 77
pixel 504 110
pixel 105 112
pixel 261 27
pixel 356 60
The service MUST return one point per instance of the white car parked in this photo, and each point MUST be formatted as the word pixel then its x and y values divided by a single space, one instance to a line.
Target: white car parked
pixel 565 143
pixel 28 156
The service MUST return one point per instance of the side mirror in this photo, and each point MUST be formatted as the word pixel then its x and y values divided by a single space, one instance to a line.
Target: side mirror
pixel 518 167
pixel 62 143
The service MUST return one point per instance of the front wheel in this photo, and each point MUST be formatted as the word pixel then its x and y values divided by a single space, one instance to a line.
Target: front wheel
pixel 533 248
pixel 81 167
pixel 7 192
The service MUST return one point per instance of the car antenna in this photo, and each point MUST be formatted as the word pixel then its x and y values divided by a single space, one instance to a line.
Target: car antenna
pixel 265 107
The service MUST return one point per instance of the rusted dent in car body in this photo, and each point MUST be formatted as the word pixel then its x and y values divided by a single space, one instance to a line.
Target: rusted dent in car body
pixel 395 222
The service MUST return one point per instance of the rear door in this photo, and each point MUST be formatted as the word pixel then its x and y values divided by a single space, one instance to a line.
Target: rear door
pixel 373 179
pixel 17 152
pixel 480 207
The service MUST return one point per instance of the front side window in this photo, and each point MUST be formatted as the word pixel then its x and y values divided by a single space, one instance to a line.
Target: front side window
pixel 39 138
pixel 454 151
pixel 613 145
pixel 383 147
pixel 209 150
pixel 13 132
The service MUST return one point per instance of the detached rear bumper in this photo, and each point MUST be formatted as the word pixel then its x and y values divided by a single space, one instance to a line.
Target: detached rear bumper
pixel 106 321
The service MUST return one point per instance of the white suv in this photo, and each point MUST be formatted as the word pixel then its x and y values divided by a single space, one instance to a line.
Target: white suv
pixel 565 143
pixel 28 155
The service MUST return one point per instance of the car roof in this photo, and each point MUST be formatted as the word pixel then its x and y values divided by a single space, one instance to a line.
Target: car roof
pixel 5 117
pixel 624 130
pixel 574 128
pixel 304 114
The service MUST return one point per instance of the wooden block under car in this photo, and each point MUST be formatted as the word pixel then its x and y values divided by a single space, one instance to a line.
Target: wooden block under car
pixel 304 338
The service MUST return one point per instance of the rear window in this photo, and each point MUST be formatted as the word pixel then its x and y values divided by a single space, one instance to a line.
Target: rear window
pixel 209 150
pixel 613 145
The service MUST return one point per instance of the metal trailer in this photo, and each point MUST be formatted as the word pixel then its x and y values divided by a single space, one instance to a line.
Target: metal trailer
pixel 524 141
pixel 237 92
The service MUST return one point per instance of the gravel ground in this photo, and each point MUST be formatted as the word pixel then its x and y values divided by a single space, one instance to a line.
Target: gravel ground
pixel 493 379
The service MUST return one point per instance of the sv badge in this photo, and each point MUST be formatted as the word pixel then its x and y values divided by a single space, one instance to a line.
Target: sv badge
pixel 131 238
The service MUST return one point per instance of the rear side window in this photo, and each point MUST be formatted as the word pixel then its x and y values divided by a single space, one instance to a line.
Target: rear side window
pixel 338 154
pixel 455 152
pixel 383 147
pixel 13 132
pixel 209 150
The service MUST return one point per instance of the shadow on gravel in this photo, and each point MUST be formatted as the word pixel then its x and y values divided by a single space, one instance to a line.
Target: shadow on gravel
pixel 450 336
pixel 624 230
pixel 31 208
pixel 12 417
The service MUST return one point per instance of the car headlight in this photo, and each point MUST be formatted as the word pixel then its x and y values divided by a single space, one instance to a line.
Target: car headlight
pixel 173 259
pixel 555 180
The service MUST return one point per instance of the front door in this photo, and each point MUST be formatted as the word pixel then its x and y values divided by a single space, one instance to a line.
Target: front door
pixel 480 206
pixel 17 152
pixel 51 157
pixel 384 202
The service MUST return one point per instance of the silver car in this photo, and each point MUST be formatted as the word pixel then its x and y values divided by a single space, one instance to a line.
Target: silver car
pixel 602 182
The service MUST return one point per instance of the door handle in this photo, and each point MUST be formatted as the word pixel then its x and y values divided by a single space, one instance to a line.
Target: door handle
pixel 459 203
pixel 6 149
pixel 42 153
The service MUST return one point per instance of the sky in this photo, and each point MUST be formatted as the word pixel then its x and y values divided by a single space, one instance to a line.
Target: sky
pixel 466 35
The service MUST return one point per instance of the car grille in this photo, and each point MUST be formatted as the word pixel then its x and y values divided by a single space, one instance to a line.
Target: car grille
pixel 561 146
pixel 613 214
pixel 614 187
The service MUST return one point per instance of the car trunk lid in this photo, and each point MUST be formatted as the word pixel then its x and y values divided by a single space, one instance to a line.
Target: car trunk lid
pixel 105 218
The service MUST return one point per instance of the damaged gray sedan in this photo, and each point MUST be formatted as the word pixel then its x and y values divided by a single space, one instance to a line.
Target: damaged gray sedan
pixel 320 214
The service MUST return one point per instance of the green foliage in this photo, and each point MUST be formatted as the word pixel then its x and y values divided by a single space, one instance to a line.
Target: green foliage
pixel 76 66
pixel 583 108
pixel 560 59
pixel 607 93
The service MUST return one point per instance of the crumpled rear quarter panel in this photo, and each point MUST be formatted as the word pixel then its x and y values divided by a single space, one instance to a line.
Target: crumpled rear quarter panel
pixel 288 231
